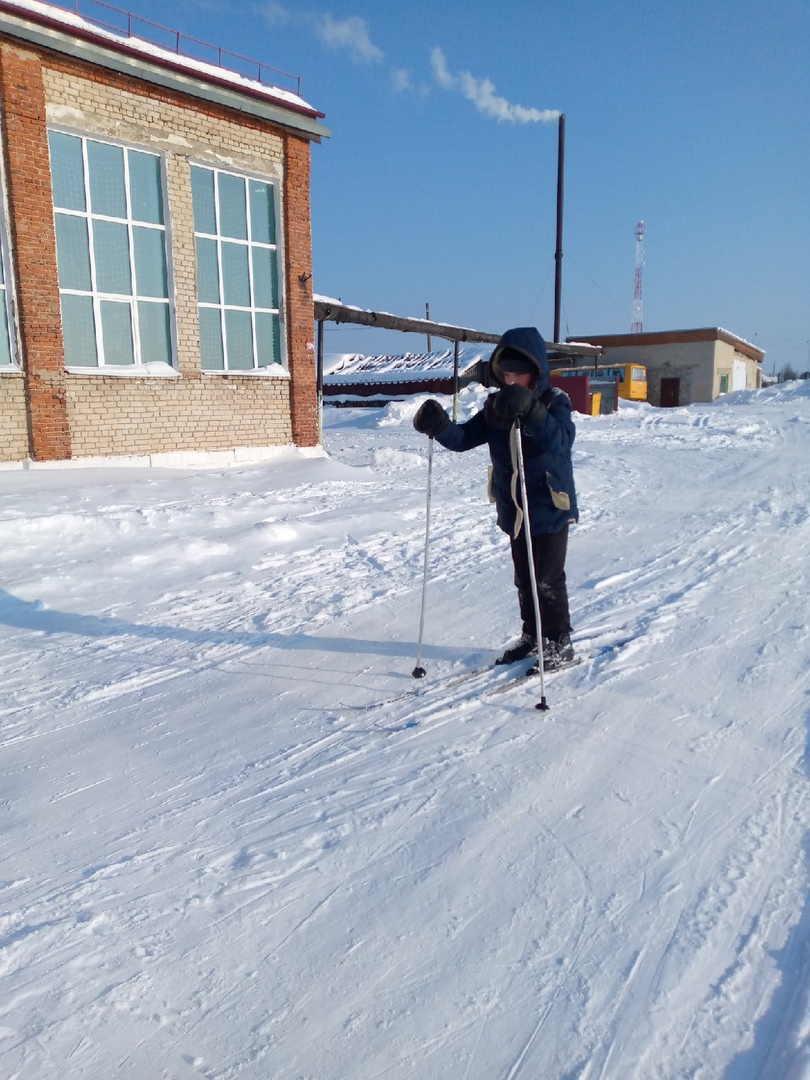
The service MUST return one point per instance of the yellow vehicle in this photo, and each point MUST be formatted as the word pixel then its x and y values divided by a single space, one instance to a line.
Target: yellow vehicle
pixel 632 377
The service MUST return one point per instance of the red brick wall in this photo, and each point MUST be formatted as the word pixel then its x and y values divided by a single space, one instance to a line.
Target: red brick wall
pixel 33 240
pixel 56 399
pixel 300 319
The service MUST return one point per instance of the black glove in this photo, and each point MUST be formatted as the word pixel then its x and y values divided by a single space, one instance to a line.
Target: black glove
pixel 519 403
pixel 492 417
pixel 431 418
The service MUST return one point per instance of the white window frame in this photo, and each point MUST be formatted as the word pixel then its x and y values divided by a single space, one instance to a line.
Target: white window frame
pixel 280 365
pixel 9 297
pixel 132 300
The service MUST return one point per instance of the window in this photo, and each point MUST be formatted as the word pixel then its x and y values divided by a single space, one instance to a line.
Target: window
pixel 110 253
pixel 7 357
pixel 237 271
pixel 8 353
pixel 724 384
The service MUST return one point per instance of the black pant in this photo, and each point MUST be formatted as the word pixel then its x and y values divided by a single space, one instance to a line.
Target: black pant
pixel 549 550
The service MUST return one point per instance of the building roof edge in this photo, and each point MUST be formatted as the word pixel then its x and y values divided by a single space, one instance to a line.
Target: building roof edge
pixel 141 59
pixel 675 337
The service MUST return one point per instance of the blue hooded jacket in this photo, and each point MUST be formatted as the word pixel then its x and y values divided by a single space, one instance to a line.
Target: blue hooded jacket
pixel 546 445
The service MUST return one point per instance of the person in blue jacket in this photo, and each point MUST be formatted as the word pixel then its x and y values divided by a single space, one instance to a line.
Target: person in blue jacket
pixel 519 367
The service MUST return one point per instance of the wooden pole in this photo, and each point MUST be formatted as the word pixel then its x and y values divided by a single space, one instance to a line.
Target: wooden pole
pixel 427 318
pixel 558 254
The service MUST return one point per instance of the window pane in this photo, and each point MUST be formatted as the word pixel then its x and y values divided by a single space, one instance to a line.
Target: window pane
pixel 150 262
pixel 79 331
pixel 207 272
pixel 155 332
pixel 235 275
pixel 268 339
pixel 262 213
pixel 265 282
pixel 116 332
pixel 72 252
pixel 202 196
pixel 67 171
pixel 5 345
pixel 239 340
pixel 232 207
pixel 145 187
pixel 211 340
pixel 111 250
pixel 106 167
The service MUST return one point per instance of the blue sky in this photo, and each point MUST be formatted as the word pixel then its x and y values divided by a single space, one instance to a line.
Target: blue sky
pixel 438 184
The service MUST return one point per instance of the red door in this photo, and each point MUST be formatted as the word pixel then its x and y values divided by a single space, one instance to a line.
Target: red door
pixel 670 393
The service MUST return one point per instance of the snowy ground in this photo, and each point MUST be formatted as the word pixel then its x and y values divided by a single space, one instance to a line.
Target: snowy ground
pixel 217 863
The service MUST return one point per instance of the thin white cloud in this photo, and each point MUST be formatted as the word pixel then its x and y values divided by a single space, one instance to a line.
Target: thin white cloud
pixel 275 14
pixel 401 80
pixel 350 34
pixel 481 92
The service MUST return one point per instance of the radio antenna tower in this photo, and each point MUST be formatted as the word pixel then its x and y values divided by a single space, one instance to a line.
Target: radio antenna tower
pixel 637 326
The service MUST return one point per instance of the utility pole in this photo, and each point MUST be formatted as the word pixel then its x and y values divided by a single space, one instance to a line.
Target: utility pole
pixel 558 254
pixel 638 321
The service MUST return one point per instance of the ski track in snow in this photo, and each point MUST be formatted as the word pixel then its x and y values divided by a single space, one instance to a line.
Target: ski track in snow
pixel 215 865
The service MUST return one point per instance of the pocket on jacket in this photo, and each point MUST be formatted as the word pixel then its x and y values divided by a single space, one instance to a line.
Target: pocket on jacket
pixel 561 499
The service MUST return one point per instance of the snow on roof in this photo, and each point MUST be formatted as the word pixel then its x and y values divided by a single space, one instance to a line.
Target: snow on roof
pixel 668 337
pixel 750 344
pixel 349 368
pixel 202 69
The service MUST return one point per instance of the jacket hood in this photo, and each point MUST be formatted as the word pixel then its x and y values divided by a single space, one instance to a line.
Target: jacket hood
pixel 526 340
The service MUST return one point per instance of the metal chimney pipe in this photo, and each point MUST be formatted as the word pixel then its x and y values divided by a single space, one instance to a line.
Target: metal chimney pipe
pixel 558 254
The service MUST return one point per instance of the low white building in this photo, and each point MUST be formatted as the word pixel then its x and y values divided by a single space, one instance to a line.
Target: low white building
pixel 684 366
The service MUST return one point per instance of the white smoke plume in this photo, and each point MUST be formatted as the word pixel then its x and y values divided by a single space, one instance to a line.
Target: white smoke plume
pixel 481 92
pixel 350 35
pixel 401 80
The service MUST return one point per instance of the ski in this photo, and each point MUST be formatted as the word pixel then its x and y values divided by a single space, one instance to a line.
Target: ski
pixel 423 690
pixel 511 678
pixel 532 673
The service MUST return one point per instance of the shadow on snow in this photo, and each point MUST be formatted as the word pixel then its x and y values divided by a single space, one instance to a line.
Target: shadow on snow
pixel 31 615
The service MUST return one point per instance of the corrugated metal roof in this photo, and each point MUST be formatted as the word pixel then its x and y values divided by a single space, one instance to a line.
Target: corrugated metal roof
pixel 409 367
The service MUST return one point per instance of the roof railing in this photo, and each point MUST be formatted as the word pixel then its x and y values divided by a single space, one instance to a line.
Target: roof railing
pixel 134 26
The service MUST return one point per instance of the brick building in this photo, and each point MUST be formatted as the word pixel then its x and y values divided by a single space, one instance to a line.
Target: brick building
pixel 155 243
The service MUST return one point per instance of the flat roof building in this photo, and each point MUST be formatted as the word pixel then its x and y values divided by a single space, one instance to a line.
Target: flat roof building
pixel 684 366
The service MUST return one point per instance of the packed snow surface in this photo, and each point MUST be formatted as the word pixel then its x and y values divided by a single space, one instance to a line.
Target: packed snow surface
pixel 240 840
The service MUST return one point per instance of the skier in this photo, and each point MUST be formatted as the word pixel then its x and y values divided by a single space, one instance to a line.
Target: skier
pixel 519 367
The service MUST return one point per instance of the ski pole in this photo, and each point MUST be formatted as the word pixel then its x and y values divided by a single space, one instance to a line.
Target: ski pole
pixel 528 532
pixel 419 672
